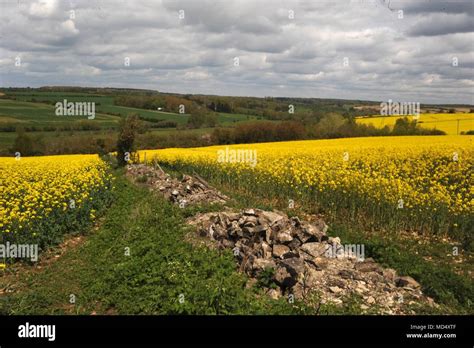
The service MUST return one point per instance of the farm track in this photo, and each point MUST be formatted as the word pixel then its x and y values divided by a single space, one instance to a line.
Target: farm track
pixel 104 280
pixel 137 262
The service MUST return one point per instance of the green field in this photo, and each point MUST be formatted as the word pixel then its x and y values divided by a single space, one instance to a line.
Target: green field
pixel 23 113
pixel 35 112
pixel 147 114
pixel 452 124
pixel 32 108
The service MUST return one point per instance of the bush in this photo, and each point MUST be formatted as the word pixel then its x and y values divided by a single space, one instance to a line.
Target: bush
pixel 23 144
pixel 86 125
pixel 101 147
pixel 223 136
pixel 255 132
pixel 127 133
pixel 149 141
pixel 403 126
pixel 202 117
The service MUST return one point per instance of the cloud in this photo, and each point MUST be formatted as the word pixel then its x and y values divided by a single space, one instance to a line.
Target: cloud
pixel 289 48
pixel 443 24
pixel 434 6
pixel 42 8
pixel 69 27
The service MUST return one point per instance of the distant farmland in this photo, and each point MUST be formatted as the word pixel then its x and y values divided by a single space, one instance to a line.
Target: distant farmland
pixel 34 111
pixel 39 114
pixel 452 124
pixel 37 109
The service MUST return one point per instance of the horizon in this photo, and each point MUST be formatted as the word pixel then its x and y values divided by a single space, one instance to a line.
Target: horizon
pixel 232 96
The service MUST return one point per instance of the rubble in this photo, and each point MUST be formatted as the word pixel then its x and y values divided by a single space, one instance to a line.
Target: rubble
pixel 297 252
pixel 188 190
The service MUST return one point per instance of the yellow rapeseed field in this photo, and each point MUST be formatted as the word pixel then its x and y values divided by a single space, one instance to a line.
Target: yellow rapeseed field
pixel 41 196
pixel 419 182
pixel 452 124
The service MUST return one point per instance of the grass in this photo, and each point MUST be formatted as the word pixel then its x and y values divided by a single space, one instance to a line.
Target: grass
pixel 137 261
pixel 39 114
pixel 147 114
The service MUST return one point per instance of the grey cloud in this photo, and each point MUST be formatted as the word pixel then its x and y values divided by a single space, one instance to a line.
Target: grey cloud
pixel 434 6
pixel 281 56
pixel 442 24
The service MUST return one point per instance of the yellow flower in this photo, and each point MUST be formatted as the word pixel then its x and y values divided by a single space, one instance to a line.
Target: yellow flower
pixel 32 188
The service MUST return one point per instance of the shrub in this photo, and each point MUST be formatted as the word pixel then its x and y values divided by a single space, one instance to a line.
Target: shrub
pixel 127 133
pixel 23 144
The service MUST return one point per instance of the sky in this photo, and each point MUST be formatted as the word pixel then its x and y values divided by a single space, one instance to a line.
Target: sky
pixel 414 51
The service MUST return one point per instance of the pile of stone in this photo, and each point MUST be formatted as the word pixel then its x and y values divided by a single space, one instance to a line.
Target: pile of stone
pixel 303 259
pixel 188 190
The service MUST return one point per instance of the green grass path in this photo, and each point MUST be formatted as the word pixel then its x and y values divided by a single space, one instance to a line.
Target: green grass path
pixel 164 274
pixel 138 260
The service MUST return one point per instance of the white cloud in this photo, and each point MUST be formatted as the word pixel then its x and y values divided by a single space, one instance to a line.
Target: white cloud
pixel 196 75
pixel 69 27
pixel 42 8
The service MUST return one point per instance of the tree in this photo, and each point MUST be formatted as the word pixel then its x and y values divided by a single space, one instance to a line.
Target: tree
pixel 403 126
pixel 126 138
pixel 200 117
pixel 329 125
pixel 211 120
